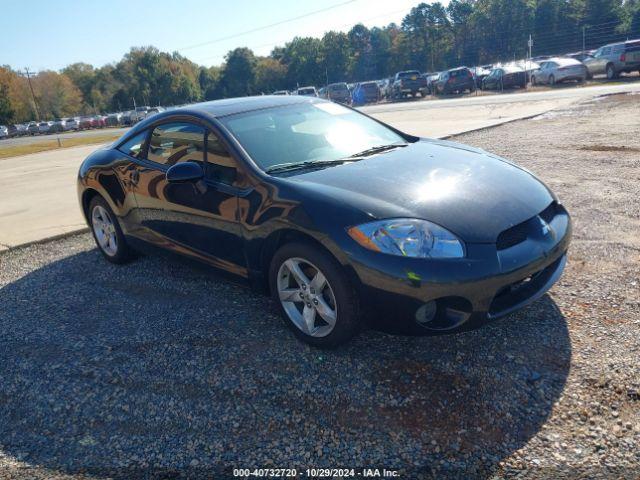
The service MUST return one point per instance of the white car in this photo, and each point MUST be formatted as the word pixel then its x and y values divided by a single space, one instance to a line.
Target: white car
pixel 556 70
pixel 307 91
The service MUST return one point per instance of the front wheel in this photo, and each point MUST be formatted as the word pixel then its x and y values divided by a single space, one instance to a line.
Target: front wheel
pixel 107 232
pixel 552 80
pixel 316 299
pixel 611 72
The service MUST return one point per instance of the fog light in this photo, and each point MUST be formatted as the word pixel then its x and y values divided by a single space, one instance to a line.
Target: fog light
pixel 426 313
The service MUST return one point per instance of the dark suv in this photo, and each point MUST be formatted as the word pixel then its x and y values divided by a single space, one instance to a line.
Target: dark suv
pixel 456 80
pixel 407 83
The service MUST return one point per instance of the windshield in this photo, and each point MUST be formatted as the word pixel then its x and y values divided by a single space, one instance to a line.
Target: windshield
pixel 306 132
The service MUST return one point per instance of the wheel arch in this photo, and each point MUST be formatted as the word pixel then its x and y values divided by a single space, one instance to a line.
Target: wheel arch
pixel 280 237
pixel 88 195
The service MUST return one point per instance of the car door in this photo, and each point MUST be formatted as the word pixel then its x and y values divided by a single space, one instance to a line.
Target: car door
pixel 197 218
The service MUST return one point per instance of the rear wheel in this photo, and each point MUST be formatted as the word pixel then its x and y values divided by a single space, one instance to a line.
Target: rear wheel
pixel 107 232
pixel 552 80
pixel 533 81
pixel 316 299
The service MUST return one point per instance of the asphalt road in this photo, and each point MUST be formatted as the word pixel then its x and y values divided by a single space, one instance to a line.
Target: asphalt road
pixel 39 193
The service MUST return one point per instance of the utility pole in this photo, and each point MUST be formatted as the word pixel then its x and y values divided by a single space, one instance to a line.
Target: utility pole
pixel 584 35
pixel 33 96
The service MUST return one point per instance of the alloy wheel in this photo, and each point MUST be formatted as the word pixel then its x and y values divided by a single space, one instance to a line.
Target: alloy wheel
pixel 307 297
pixel 104 230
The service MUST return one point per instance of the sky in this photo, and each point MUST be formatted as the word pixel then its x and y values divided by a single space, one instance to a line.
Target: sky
pixel 43 35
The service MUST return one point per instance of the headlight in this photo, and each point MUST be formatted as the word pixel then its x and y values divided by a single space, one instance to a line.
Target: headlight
pixel 408 237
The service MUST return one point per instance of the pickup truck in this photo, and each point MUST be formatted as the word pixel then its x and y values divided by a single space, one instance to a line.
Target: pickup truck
pixel 409 82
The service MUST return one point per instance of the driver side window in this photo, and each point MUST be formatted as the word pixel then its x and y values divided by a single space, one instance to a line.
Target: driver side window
pixel 173 143
pixel 221 166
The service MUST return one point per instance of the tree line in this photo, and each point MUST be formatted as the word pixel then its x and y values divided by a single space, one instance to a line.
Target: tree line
pixel 431 37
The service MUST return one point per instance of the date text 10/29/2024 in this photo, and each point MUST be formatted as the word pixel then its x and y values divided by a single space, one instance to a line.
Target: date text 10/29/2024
pixel 315 473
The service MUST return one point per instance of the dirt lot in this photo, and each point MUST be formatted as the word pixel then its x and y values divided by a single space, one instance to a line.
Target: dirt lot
pixel 156 368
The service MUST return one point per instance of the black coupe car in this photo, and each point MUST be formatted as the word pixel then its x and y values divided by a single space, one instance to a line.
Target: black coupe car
pixel 341 217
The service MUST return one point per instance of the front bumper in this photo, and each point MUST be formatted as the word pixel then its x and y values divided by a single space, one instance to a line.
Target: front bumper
pixel 487 284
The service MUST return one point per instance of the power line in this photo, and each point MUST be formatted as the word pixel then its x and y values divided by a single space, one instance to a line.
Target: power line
pixel 264 27
pixel 273 44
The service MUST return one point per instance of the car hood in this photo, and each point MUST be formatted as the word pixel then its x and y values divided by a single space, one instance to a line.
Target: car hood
pixel 470 192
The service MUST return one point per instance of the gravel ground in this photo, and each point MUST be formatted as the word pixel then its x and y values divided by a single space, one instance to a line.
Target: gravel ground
pixel 158 368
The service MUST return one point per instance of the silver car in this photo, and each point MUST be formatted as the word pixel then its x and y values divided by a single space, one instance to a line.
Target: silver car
pixel 4 131
pixel 557 70
pixel 614 59
pixel 44 127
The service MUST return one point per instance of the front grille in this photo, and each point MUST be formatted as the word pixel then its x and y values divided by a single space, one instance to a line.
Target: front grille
pixel 519 233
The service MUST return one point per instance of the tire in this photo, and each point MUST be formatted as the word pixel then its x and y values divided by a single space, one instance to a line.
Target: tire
pixel 533 81
pixel 552 80
pixel 107 232
pixel 611 72
pixel 308 308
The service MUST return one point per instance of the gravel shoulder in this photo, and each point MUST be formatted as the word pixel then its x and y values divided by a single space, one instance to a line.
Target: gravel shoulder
pixel 158 368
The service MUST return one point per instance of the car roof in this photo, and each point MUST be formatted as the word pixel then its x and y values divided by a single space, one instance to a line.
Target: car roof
pixel 565 61
pixel 231 106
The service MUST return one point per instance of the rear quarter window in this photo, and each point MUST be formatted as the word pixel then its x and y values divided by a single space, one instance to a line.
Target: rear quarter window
pixel 134 146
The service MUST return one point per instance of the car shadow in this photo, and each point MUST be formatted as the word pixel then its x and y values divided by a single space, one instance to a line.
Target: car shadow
pixel 155 368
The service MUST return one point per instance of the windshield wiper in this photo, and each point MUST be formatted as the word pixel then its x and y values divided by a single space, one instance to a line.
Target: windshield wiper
pixel 287 167
pixel 378 149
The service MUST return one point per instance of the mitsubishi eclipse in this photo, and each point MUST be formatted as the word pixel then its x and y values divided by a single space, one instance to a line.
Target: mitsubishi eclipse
pixel 340 217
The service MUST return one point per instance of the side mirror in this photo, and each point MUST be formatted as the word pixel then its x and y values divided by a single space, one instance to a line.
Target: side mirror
pixel 184 172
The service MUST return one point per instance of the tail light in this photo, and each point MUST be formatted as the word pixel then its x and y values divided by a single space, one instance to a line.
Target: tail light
pixel 469 74
pixel 623 57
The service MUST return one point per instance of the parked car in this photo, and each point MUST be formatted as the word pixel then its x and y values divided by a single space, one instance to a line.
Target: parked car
pixel 17 130
pixel 507 76
pixel 154 110
pixel 58 125
pixel 456 80
pixel 4 132
pixel 32 128
pixel 479 74
pixel 581 56
pixel 73 123
pixel 385 87
pixel 281 92
pixel 366 92
pixel 425 88
pixel 140 113
pixel 614 59
pixel 44 127
pixel 98 121
pixel 352 224
pixel 307 91
pixel 431 81
pixel 338 92
pixel 406 83
pixel 86 122
pixel 128 117
pixel 557 70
